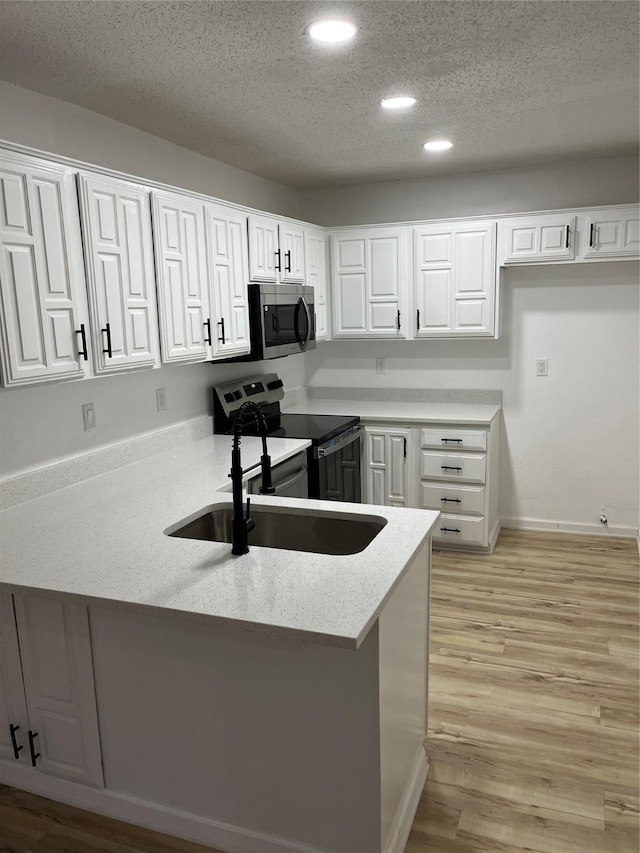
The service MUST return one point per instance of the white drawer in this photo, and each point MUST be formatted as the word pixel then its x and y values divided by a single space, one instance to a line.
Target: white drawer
pixel 453 439
pixel 458 528
pixel 452 498
pixel 452 466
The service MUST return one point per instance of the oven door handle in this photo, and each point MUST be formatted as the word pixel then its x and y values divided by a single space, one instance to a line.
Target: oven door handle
pixel 323 451
pixel 284 484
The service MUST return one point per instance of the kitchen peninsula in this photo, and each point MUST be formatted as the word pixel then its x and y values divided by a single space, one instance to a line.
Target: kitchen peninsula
pixel 270 702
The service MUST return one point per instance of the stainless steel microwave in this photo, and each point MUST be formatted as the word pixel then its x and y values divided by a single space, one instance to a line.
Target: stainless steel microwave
pixel 281 320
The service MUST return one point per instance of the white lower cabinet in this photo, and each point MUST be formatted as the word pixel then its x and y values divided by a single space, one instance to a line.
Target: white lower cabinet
pixel 386 455
pixel 453 469
pixel 47 695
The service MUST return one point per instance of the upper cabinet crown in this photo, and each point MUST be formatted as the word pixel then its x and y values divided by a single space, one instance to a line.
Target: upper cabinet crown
pixel 370 276
pixel 276 250
pixel 44 316
pixel 455 279
pixel 120 271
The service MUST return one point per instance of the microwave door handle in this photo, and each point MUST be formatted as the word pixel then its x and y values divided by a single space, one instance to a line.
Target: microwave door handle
pixel 308 316
pixel 296 325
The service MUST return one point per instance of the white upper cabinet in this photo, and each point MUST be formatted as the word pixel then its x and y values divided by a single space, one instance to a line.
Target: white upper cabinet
pixel 315 258
pixel 370 283
pixel 120 272
pixel 181 270
pixel 43 314
pixel 538 238
pixel 455 279
pixel 276 250
pixel 229 276
pixel 611 233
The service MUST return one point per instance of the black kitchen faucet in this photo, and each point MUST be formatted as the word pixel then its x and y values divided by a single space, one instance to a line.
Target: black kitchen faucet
pixel 243 524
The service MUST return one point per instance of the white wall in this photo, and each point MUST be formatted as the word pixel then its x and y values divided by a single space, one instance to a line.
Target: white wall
pixel 579 183
pixel 43 424
pixel 570 441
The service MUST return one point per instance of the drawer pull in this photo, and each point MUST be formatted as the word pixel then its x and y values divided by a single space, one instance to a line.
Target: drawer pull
pixel 451 500
pixel 13 728
pixel 34 755
pixel 451 530
pixel 454 440
pixel 451 467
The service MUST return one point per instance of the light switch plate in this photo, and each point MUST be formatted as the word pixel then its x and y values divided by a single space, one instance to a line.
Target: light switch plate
pixel 88 416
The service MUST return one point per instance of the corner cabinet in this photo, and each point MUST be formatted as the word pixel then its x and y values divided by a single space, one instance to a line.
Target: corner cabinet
pixel 370 277
pixel 44 314
pixel 118 243
pixel 48 717
pixel 455 280
pixel 276 250
pixel 315 260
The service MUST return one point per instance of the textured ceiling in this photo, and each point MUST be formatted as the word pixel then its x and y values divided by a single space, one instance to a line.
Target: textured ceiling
pixel 510 83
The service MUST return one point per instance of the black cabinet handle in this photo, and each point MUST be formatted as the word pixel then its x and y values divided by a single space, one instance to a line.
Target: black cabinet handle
pixel 277 261
pixel 451 529
pixel 398 319
pixel 82 353
pixel 405 447
pixel 451 500
pixel 107 329
pixel 592 234
pixel 287 261
pixel 14 742
pixel 418 320
pixel 451 468
pixel 452 440
pixel 222 340
pixel 32 749
pixel 567 243
pixel 207 325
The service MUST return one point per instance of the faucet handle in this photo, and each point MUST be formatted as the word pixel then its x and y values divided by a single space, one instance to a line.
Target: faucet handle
pixel 249 522
pixel 266 487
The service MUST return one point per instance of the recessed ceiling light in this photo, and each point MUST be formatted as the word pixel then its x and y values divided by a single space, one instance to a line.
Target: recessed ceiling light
pixel 438 145
pixel 332 32
pixel 398 103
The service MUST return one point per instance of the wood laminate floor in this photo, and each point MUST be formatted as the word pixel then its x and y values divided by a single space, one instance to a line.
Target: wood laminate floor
pixel 533 734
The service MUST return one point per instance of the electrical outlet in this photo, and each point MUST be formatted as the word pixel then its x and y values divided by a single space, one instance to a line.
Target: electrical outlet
pixel 542 366
pixel 88 416
pixel 161 399
pixel 380 368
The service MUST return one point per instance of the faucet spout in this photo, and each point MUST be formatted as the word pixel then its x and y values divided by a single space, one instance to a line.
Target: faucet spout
pixel 242 523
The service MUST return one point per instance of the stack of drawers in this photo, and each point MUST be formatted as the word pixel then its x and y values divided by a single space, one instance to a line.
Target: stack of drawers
pixel 453 473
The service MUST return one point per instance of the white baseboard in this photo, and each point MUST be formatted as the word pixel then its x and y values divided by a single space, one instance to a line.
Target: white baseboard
pixel 590 529
pixel 408 805
pixel 165 819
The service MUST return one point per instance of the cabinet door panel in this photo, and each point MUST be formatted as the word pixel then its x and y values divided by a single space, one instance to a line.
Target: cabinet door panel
pixel 433 299
pixel 13 704
pixel 471 315
pixel 352 303
pixel 42 285
pixel 612 234
pixel 122 289
pixel 537 239
pixel 228 251
pixel 183 292
pixel 263 242
pixel 58 678
pixel 386 466
pixel 384 268
pixel 316 277
pixel 291 241
pixel 434 249
pixel 472 257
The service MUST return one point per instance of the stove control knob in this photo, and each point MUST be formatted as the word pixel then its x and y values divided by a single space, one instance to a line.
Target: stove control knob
pixel 237 395
pixel 275 383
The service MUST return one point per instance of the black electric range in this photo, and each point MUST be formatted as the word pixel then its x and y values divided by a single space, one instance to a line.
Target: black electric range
pixel 334 456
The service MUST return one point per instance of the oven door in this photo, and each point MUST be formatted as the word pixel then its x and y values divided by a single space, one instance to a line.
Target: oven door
pixel 283 319
pixel 336 471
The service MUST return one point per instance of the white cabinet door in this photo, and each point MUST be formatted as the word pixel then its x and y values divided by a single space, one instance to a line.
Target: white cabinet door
pixel 44 314
pixel 538 238
pixel 369 275
pixel 122 286
pixel 315 258
pixel 58 678
pixel 14 721
pixel 612 234
pixel 386 453
pixel 181 268
pixel 291 243
pixel 265 258
pixel 455 280
pixel 229 272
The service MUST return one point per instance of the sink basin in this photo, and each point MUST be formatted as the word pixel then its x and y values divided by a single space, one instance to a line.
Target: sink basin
pixel 291 529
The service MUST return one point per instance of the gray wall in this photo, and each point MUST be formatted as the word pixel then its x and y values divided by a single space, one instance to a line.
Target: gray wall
pixel 580 183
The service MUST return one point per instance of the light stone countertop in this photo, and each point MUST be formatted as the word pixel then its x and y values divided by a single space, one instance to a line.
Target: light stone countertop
pixel 409 412
pixel 102 541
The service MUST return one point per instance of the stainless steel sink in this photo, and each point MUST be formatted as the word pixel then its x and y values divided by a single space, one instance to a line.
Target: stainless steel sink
pixel 291 529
